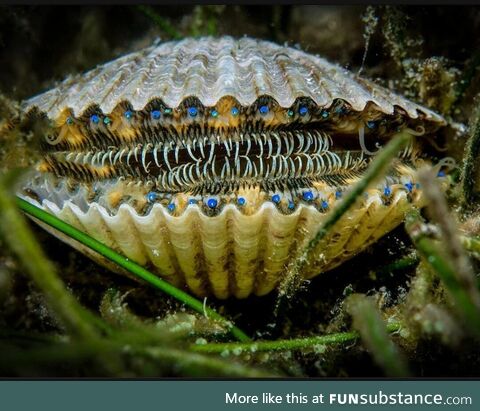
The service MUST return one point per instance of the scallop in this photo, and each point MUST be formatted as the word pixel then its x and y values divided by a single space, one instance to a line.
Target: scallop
pixel 212 161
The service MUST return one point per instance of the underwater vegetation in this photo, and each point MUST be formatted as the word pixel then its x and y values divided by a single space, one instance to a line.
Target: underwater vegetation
pixel 407 306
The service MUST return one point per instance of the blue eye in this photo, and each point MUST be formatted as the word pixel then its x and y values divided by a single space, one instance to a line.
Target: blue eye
pixel 338 194
pixel 214 113
pixel 371 124
pixel 192 111
pixel 290 113
pixel 291 205
pixel 171 207
pixel 151 196
pixel 387 191
pixel 324 114
pixel 212 202
pixel 308 196
pixel 69 121
pixel 263 110
pixel 302 110
pixel 409 186
pixel 324 204
pixel 156 114
pixel 94 119
pixel 128 114
pixel 192 201
pixel 241 201
pixel 235 111
pixel 276 198
pixel 441 174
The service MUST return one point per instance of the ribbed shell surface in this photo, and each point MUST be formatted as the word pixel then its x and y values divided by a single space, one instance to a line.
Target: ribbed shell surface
pixel 211 68
pixel 231 254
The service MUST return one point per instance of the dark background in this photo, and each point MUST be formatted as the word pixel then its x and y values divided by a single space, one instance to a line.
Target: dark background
pixel 43 44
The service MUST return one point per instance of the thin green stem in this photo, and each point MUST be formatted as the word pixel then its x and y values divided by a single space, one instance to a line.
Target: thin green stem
pixel 185 362
pixel 403 263
pixel 379 164
pixel 439 212
pixel 19 238
pixel 129 265
pixel 162 23
pixel 195 364
pixel 441 264
pixel 282 345
pixel 374 334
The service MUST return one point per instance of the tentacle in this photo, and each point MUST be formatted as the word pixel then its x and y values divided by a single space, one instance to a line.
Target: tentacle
pixel 448 162
pixel 419 131
pixel 361 139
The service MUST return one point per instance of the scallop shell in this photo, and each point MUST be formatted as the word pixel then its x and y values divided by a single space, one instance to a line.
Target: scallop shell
pixel 237 251
pixel 211 68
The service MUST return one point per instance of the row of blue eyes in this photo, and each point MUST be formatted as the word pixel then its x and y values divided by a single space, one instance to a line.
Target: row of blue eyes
pixel 193 111
pixel 307 196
